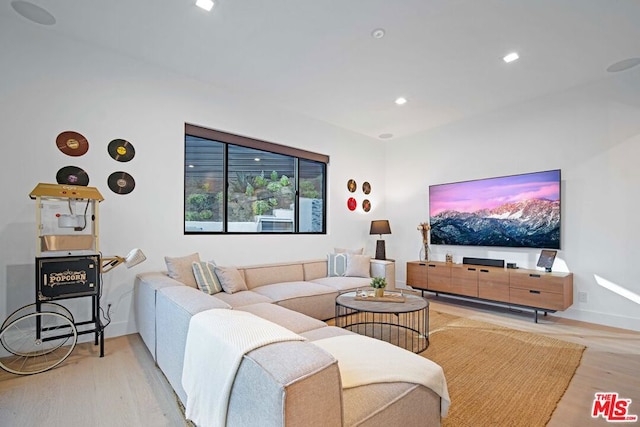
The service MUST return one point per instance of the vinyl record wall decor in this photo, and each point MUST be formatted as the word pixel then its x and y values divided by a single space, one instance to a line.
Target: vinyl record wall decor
pixel 121 150
pixel 72 175
pixel 121 182
pixel 74 144
pixel 352 202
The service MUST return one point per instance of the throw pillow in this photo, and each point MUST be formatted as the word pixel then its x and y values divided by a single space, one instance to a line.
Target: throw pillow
pixel 336 265
pixel 358 251
pixel 180 269
pixel 230 279
pixel 206 278
pixel 358 265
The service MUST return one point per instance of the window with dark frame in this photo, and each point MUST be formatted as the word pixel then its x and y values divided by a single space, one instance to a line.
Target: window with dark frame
pixel 235 184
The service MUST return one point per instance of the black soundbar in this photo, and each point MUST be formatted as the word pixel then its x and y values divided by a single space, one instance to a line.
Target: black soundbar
pixel 484 261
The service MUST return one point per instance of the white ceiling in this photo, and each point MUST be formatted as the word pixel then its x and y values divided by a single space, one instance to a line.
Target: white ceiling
pixel 319 58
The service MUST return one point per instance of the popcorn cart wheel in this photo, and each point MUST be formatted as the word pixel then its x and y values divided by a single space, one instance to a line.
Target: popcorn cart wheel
pixel 37 342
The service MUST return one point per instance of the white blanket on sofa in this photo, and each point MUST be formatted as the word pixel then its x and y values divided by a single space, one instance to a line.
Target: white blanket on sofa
pixel 363 360
pixel 216 342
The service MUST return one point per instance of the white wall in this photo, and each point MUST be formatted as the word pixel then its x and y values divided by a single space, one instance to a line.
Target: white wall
pixel 592 133
pixel 51 84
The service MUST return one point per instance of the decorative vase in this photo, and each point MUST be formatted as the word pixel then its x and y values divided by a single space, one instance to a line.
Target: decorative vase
pixel 424 252
pixel 379 292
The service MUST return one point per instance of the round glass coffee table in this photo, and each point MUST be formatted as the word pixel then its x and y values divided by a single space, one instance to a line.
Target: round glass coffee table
pixel 405 324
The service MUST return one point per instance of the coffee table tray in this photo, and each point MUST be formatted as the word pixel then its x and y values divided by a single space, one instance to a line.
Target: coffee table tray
pixel 386 298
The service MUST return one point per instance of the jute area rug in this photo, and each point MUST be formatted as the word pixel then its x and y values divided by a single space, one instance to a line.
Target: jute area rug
pixel 499 376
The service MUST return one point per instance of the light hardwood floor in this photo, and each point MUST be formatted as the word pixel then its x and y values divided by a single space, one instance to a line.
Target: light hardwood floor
pixel 126 388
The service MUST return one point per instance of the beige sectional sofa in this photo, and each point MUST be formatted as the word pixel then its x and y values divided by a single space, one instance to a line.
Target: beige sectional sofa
pixel 285 383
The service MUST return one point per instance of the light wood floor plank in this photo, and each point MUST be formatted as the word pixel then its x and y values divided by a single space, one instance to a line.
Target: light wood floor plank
pixel 126 388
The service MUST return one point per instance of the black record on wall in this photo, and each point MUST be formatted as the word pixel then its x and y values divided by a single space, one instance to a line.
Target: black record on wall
pixel 121 182
pixel 72 175
pixel 121 150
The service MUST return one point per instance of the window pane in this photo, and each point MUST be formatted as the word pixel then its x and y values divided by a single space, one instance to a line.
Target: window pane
pixel 204 184
pixel 312 196
pixel 261 191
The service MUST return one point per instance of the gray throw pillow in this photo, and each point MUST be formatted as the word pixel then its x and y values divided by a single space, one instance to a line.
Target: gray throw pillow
pixel 230 279
pixel 336 265
pixel 180 268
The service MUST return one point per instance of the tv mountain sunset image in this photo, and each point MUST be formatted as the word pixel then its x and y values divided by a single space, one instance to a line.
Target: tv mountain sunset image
pixel 514 211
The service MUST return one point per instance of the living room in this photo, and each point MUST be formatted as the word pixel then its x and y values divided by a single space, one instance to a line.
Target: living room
pixel 590 129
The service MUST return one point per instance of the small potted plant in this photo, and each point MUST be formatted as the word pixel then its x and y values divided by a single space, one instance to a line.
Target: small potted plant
pixel 379 283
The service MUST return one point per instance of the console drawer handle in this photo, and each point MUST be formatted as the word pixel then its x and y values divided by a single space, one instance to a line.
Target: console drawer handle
pixel 471 269
pixel 432 265
pixel 534 275
pixel 534 292
pixel 483 270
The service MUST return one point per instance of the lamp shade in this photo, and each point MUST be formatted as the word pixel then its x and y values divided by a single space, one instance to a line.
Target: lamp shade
pixel 380 227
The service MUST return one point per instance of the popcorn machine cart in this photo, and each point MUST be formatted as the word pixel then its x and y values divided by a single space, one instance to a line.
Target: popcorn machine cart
pixel 39 336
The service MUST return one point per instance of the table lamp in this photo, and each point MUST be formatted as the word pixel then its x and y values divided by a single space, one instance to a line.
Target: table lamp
pixel 380 227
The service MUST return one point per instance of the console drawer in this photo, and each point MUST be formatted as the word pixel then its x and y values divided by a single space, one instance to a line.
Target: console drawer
pixel 548 282
pixel 536 298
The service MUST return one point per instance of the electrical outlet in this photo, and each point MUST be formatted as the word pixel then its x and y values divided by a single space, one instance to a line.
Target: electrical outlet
pixel 583 297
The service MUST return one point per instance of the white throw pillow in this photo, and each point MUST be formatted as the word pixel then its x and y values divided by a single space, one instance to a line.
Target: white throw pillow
pixel 230 279
pixel 358 265
pixel 181 269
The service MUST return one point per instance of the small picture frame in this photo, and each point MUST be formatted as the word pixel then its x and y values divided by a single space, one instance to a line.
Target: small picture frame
pixel 546 259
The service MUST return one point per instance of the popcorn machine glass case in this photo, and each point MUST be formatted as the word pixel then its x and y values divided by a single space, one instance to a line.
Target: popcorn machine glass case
pixel 66 219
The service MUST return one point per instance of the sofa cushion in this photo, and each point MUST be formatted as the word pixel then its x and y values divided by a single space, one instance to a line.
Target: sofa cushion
pixel 358 265
pixel 275 273
pixel 206 278
pixel 326 332
pixel 288 290
pixel 291 320
pixel 191 300
pixel 315 269
pixel 242 298
pixel 308 298
pixel 344 284
pixel 180 268
pixel 336 265
pixel 230 279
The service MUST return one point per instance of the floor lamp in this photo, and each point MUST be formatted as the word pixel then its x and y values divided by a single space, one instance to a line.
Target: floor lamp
pixel 380 227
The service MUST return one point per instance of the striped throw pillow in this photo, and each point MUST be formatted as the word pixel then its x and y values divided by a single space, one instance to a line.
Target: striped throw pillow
pixel 337 265
pixel 206 278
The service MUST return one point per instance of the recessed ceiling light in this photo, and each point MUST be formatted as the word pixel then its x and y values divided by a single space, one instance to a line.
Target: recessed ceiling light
pixel 385 135
pixel 511 57
pixel 191 166
pixel 378 33
pixel 33 13
pixel 205 4
pixel 401 101
pixel 257 159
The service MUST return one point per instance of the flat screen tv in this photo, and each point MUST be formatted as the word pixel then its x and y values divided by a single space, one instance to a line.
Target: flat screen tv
pixel 509 211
